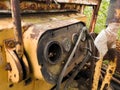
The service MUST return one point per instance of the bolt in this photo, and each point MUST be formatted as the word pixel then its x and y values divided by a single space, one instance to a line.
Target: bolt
pixel 8 67
pixel 10 44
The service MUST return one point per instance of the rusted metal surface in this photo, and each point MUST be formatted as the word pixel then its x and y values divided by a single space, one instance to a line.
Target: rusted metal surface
pixel 41 29
pixel 72 1
pixel 89 2
pixel 4 5
pixel 17 26
pixel 94 16
pixel 97 74
pixel 44 6
pixel 109 73
pixel 8 67
pixel 44 22
pixel 110 53
pixel 30 19
pixel 62 61
pixel 113 78
pixel 15 72
pixel 45 32
pixel 10 43
pixel 18 69
pixel 25 5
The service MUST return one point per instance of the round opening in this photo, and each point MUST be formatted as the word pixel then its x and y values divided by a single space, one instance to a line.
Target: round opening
pixel 53 52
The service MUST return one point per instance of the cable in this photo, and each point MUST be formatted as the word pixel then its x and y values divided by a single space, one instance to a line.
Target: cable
pixel 89 54
pixel 77 71
pixel 60 78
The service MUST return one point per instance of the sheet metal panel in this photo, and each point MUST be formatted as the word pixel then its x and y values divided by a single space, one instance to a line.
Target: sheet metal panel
pixel 92 2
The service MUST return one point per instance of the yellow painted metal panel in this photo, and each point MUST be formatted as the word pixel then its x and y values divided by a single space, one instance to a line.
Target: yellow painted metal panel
pixel 7 32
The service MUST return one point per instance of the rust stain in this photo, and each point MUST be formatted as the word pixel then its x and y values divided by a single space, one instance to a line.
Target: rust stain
pixel 117 13
pixel 70 0
pixel 79 1
pixel 35 33
pixel 3 6
pixel 37 6
pixel 41 5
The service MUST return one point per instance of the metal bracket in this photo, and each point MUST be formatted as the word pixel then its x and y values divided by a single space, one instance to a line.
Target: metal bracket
pixel 18 69
pixel 14 68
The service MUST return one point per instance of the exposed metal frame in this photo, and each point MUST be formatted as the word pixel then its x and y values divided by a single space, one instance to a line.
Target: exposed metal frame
pixel 15 10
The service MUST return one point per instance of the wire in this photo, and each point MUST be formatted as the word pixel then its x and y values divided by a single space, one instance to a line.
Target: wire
pixel 77 71
pixel 60 78
pixel 89 54
pixel 88 49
